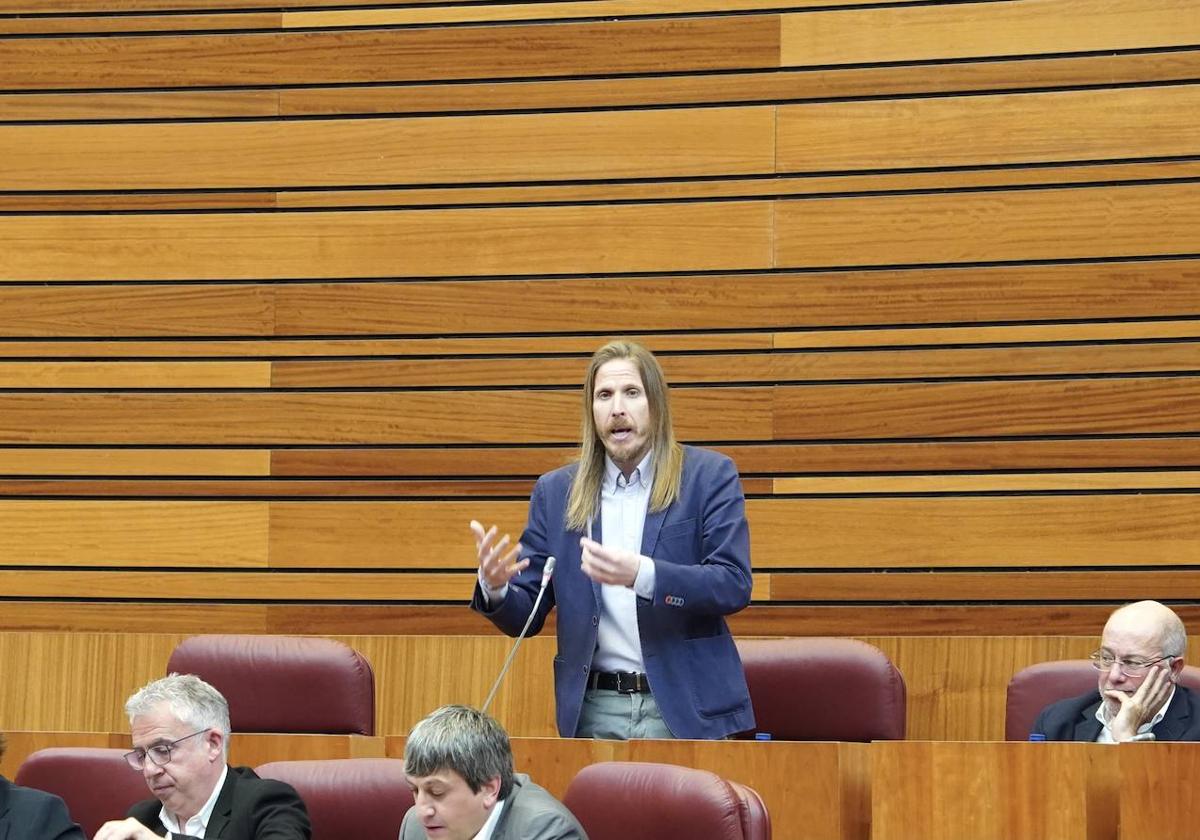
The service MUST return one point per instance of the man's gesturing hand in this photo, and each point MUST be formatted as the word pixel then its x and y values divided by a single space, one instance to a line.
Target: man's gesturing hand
pixel 496 560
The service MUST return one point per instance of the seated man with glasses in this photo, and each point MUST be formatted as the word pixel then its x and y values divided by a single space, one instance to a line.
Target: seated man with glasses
pixel 180 732
pixel 1138 697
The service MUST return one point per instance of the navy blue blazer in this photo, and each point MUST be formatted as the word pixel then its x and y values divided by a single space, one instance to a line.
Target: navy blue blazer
pixel 1074 719
pixel 701 551
pixel 28 814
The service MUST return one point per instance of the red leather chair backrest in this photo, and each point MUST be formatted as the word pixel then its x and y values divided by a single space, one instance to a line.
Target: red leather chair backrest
pixel 96 783
pixel 284 683
pixel 823 689
pixel 1036 687
pixel 348 798
pixel 621 800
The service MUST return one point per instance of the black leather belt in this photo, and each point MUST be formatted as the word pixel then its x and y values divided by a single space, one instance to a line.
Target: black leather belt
pixel 626 682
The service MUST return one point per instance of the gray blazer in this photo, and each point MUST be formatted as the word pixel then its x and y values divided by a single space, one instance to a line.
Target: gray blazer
pixel 28 814
pixel 530 813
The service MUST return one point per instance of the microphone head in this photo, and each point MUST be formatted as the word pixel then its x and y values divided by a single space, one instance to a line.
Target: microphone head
pixel 548 569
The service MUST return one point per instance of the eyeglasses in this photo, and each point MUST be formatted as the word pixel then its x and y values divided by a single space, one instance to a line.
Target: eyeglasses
pixel 1102 661
pixel 159 754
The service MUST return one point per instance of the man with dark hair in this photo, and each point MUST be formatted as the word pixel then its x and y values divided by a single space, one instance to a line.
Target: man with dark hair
pixel 653 551
pixel 28 814
pixel 180 732
pixel 459 764
pixel 1138 697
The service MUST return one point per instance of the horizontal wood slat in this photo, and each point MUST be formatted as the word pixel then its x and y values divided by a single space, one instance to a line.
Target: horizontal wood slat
pixel 964 30
pixel 532 147
pixel 756 368
pixel 1005 531
pixel 453 466
pixel 1002 129
pixel 653 237
pixel 711 369
pixel 1158 288
pixel 683 189
pixel 390 55
pixel 1122 221
pixel 133 533
pixel 816 412
pixel 431 98
pixel 985 586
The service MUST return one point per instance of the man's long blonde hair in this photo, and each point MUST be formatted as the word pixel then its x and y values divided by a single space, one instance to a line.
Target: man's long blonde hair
pixel 584 499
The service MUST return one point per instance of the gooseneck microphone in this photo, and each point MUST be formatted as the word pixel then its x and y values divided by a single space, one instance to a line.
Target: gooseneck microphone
pixel 547 571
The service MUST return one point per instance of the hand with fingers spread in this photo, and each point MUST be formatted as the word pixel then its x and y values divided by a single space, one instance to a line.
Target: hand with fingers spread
pixel 609 565
pixel 1139 707
pixel 498 563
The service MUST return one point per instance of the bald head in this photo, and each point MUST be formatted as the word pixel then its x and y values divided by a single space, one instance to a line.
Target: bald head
pixel 1155 624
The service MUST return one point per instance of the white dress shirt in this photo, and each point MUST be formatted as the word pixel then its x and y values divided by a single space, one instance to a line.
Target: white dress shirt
pixel 197 825
pixel 485 833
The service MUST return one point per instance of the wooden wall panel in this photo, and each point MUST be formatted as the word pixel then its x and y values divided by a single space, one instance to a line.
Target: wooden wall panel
pixel 179 311
pixel 209 375
pixel 314 153
pixel 136 462
pixel 973 409
pixel 919 296
pixel 963 30
pixel 955 685
pixel 752 368
pixel 133 533
pixel 391 55
pixel 1008 128
pixel 1124 221
pixel 816 533
pixel 653 237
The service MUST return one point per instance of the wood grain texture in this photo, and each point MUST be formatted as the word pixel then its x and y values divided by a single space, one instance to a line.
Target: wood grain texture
pixel 734 87
pixel 975 409
pixel 95 374
pixel 298 417
pixel 391 55
pixel 1000 129
pixel 151 310
pixel 420 150
pixel 133 533
pixel 848 298
pixel 264 587
pixel 964 30
pixel 970 227
pixel 69 25
pixel 778 459
pixel 990 791
pixel 135 462
pixel 1160 772
pixel 996 532
pixel 648 237
pixel 759 368
pixel 1174 65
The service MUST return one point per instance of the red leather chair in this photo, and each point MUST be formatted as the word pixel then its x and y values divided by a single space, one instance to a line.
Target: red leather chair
pixel 348 798
pixel 622 800
pixel 1036 687
pixel 823 689
pixel 284 683
pixel 96 783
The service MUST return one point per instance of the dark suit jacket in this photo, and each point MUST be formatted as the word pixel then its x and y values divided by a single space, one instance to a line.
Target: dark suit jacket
pixel 28 814
pixel 701 551
pixel 530 813
pixel 1074 719
pixel 247 808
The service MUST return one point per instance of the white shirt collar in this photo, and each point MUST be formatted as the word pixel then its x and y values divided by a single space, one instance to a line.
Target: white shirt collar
pixel 197 825
pixel 485 833
pixel 643 473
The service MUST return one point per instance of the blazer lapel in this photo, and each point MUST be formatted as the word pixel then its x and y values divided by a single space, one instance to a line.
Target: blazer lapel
pixel 596 532
pixel 219 821
pixel 1087 728
pixel 1175 721
pixel 654 521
